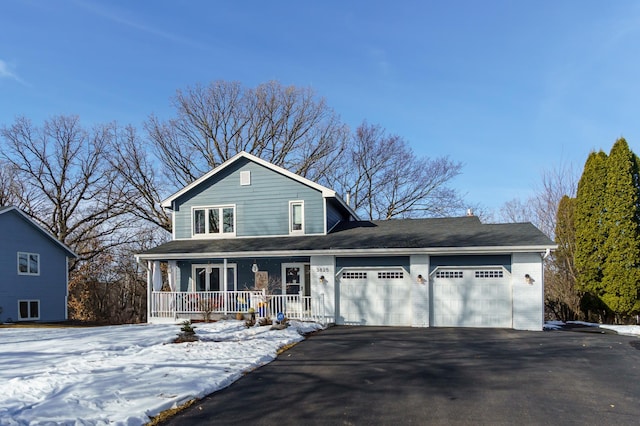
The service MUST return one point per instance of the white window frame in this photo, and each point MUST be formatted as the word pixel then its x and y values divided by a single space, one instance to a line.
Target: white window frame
pixel 207 232
pixel 301 276
pixel 245 178
pixel 28 302
pixel 28 258
pixel 208 267
pixel 291 205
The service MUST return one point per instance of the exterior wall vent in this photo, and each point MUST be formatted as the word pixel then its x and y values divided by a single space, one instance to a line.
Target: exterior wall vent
pixel 245 178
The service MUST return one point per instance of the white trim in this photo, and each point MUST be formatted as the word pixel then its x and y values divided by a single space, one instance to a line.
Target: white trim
pixel 350 252
pixel 246 237
pixel 209 235
pixel 469 267
pixel 40 228
pixel 223 277
pixel 28 255
pixel 326 192
pixel 173 221
pixel 301 231
pixel 324 216
pixel 301 274
pixel 30 318
pixel 245 178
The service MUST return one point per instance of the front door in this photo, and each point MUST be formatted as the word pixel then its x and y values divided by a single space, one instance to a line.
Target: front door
pixel 210 278
pixel 294 278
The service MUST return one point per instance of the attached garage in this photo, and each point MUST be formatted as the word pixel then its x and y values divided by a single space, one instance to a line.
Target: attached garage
pixel 374 297
pixel 471 297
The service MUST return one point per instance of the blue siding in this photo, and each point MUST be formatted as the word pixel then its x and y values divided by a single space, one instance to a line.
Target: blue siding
pixel 50 287
pixel 244 274
pixel 262 208
pixel 470 260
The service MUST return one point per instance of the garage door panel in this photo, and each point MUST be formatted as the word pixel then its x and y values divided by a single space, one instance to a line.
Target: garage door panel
pixel 375 298
pixel 467 298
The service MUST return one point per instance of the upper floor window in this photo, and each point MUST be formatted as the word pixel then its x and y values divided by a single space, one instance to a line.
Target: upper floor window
pixel 214 221
pixel 28 263
pixel 296 217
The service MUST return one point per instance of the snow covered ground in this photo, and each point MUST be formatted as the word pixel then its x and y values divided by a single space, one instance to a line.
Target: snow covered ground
pixel 627 330
pixel 123 375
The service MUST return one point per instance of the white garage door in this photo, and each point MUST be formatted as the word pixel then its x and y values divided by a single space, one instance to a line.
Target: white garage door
pixel 471 298
pixel 374 297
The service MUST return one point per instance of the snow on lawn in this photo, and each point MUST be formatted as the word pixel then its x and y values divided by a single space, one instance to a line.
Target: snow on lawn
pixel 627 330
pixel 125 374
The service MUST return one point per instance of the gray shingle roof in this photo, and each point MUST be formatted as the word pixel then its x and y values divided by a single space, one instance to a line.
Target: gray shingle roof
pixel 461 232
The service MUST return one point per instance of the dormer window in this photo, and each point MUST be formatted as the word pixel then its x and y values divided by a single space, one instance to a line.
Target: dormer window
pixel 214 221
pixel 296 217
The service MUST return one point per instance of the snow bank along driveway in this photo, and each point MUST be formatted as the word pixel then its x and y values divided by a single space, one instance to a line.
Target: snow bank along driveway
pixel 124 375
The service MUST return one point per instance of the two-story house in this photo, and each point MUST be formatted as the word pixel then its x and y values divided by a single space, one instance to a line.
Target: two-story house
pixel 249 234
pixel 33 270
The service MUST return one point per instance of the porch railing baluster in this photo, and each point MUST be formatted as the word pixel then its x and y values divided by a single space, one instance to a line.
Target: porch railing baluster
pixel 170 305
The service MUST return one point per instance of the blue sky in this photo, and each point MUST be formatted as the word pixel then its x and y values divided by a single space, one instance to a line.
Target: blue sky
pixel 509 88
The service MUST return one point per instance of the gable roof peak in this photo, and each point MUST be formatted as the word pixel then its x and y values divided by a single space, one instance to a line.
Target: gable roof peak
pixel 326 192
pixel 23 215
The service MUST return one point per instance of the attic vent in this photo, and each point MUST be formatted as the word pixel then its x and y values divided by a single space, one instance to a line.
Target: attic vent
pixel 245 178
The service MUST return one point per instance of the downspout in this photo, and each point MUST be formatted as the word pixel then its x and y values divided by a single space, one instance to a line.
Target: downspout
pixel 544 257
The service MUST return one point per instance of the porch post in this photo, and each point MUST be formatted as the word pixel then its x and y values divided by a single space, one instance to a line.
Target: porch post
pixel 224 283
pixel 149 289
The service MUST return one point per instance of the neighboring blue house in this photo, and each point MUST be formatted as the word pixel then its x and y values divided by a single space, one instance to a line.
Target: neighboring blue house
pixel 33 270
pixel 249 225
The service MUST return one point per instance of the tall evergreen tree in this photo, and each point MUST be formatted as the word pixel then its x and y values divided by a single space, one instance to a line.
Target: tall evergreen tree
pixel 561 294
pixel 621 267
pixel 590 232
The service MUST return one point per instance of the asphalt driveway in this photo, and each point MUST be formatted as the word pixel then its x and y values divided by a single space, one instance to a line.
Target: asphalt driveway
pixel 392 376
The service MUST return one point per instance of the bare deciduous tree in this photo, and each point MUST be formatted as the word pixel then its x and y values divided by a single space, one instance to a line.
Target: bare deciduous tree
pixel 385 179
pixel 542 209
pixel 137 177
pixel 70 186
pixel 9 185
pixel 285 125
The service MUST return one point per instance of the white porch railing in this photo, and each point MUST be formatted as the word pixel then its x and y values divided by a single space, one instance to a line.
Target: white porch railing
pixel 177 305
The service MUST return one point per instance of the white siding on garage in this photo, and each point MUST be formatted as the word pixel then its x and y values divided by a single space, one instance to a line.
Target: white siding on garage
pixel 528 299
pixel 374 297
pixel 420 290
pixel 473 297
pixel 323 284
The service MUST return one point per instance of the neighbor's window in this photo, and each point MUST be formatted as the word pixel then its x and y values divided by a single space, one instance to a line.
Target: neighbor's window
pixel 28 309
pixel 28 263
pixel 214 221
pixel 296 217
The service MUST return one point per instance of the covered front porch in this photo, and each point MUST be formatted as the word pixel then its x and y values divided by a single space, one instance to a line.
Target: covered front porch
pixel 204 289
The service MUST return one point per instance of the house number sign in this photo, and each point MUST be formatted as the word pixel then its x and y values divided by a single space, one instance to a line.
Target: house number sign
pixel 322 269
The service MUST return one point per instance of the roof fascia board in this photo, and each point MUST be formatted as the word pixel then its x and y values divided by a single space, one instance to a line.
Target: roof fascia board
pixel 352 252
pixel 40 228
pixel 326 192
